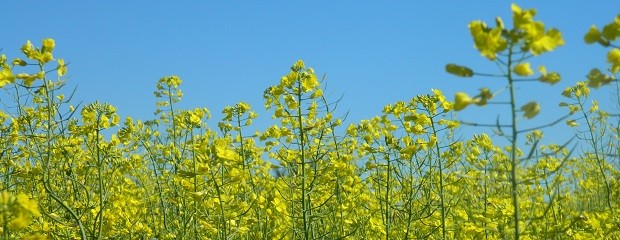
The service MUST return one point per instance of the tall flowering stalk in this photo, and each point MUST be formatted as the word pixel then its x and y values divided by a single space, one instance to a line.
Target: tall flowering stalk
pixel 510 49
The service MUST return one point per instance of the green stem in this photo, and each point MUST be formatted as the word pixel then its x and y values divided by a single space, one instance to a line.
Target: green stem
pixel 174 132
pixel 441 187
pixel 513 151
pixel 221 206
pixel 195 214
pixel 387 200
pixel 158 186
pixel 100 180
pixel 599 161
pixel 50 104
pixel 303 164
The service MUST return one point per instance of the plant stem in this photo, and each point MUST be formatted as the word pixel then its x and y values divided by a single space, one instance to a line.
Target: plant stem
pixel 441 187
pixel 513 150
pixel 303 163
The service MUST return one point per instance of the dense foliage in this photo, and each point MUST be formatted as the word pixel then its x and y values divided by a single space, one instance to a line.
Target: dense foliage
pixel 71 172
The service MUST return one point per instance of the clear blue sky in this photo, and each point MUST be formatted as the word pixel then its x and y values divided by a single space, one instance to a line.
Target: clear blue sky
pixel 374 52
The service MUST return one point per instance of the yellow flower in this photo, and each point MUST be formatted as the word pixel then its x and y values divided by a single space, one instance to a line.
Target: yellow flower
pixel 530 109
pixel 298 66
pixel 36 236
pixel 30 205
pixel 88 115
pixel 6 198
pixel 194 119
pixel 29 79
pixel 612 31
pixel 592 36
pixel 62 68
pixel 523 69
pixel 461 100
pixel 613 57
pixel 488 41
pixel 547 42
pixel 409 150
pixel 18 223
pixel 28 49
pixel 596 79
pixel 446 105
pixel 45 57
pixel 309 82
pixel 241 107
pixel 537 41
pixel 520 16
pixel 104 121
pixel 19 62
pixel 48 45
pixel 423 120
pixel 6 76
pixel 226 154
pixel 551 78
pixel 594 106
pixel 317 93
pixel 484 96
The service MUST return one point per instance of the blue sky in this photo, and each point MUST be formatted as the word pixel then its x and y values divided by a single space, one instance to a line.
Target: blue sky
pixel 373 53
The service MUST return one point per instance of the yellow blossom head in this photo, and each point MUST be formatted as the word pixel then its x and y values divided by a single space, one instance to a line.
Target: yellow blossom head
pixel 613 57
pixel 592 36
pixel 611 31
pixel 62 68
pixel 551 78
pixel 521 17
pixel 48 45
pixel 537 39
pixel 6 76
pixel 461 100
pixel 530 109
pixel 596 78
pixel 523 69
pixel 488 41
pixel 483 97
